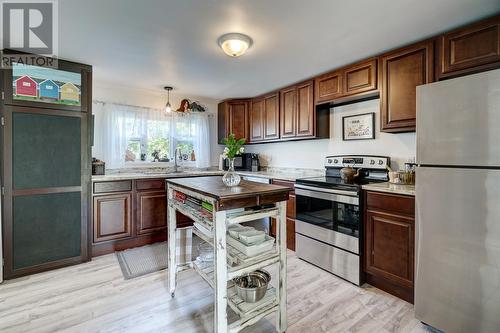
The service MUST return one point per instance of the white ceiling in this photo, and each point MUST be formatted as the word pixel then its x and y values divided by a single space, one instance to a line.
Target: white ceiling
pixel 151 43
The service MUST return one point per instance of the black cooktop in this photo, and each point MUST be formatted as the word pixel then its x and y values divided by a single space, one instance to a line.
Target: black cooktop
pixel 336 182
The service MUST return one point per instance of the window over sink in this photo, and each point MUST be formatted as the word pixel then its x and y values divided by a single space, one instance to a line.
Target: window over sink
pixel 128 136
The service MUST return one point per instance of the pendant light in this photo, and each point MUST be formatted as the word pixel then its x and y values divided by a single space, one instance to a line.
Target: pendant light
pixel 168 107
pixel 234 44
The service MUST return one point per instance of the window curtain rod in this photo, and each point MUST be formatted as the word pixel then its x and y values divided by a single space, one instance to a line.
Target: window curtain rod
pixel 149 108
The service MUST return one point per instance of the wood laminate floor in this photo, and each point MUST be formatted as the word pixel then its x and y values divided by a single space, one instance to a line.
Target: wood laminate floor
pixel 94 297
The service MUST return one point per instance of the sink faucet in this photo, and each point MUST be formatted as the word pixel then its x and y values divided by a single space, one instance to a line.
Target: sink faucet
pixel 175 158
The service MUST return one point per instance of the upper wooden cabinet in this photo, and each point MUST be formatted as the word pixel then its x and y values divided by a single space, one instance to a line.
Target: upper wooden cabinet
pixel 469 49
pixel 297 112
pixel 288 112
pixel 401 71
pixel 360 78
pixel 306 113
pixel 271 116
pixel 256 120
pixel 291 114
pixel 328 87
pixel 232 117
pixel 264 118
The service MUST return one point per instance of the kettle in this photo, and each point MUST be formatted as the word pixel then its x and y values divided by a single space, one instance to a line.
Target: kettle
pixel 348 174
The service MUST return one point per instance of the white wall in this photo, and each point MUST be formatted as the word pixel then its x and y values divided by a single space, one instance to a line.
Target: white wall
pixel 311 153
pixel 107 92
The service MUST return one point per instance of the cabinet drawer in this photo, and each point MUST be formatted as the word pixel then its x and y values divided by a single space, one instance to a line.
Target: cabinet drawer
pixel 390 202
pixel 150 184
pixel 118 186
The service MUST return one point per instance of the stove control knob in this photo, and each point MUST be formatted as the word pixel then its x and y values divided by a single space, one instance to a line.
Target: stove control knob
pixel 329 161
pixel 335 161
pixel 372 162
pixel 380 162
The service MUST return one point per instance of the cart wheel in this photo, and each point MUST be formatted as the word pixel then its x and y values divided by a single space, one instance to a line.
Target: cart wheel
pixel 172 295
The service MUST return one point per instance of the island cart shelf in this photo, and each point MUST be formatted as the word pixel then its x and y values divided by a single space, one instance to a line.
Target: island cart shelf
pixel 213 207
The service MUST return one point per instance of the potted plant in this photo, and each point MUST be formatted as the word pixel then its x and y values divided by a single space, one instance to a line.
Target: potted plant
pixel 233 148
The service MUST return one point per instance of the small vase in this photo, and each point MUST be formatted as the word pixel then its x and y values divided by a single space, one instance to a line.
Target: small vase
pixel 231 178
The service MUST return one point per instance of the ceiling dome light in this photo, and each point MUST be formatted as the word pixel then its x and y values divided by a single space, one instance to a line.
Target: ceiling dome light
pixel 234 44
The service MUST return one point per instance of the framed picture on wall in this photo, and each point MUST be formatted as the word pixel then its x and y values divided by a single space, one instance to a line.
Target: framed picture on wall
pixel 46 85
pixel 358 127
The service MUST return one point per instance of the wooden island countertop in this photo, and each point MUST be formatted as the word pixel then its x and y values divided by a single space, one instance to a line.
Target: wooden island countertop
pixel 246 194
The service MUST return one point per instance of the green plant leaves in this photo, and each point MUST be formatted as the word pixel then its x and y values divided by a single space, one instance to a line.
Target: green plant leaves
pixel 233 146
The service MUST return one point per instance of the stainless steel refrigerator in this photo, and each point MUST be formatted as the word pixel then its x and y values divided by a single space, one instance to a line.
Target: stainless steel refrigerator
pixel 457 287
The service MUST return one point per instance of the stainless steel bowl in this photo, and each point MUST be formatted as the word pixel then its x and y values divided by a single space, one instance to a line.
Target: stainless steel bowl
pixel 252 287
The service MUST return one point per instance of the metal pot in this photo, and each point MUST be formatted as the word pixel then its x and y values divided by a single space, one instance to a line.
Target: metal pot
pixel 348 173
pixel 252 287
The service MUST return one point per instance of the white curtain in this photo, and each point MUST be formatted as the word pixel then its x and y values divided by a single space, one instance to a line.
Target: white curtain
pixel 193 127
pixel 116 124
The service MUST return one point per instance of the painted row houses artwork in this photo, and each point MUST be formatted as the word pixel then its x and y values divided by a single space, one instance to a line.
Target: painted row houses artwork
pixel 46 85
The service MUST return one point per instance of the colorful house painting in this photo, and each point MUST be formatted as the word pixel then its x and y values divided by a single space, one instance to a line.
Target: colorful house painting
pixel 26 86
pixel 70 92
pixel 48 89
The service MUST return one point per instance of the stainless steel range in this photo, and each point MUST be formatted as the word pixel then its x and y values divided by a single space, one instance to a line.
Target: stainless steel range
pixel 329 218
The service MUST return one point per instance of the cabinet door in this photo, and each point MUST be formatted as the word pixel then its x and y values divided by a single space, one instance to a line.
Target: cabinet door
pixel 360 78
pixel 470 49
pixel 222 121
pixel 271 117
pixel 290 234
pixel 256 120
pixel 112 217
pixel 327 87
pixel 389 247
pixel 151 211
pixel 288 112
pixel 306 115
pixel 238 119
pixel 401 72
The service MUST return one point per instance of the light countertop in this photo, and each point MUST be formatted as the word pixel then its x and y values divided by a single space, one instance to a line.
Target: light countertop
pixel 151 175
pixel 288 174
pixel 391 188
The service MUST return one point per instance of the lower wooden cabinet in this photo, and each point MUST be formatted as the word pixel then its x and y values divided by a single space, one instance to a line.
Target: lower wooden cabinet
pixel 112 217
pixel 128 213
pixel 290 216
pixel 390 243
pixel 151 210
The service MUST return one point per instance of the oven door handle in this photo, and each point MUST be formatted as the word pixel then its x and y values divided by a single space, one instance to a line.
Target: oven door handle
pixel 326 190
pixel 352 200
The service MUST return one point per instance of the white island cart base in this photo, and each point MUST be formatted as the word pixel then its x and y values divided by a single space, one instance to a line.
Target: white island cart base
pixel 219 275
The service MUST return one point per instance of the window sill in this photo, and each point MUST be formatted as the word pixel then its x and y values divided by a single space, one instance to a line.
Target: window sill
pixel 141 164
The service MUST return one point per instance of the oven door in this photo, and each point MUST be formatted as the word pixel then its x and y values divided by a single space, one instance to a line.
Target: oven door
pixel 331 216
